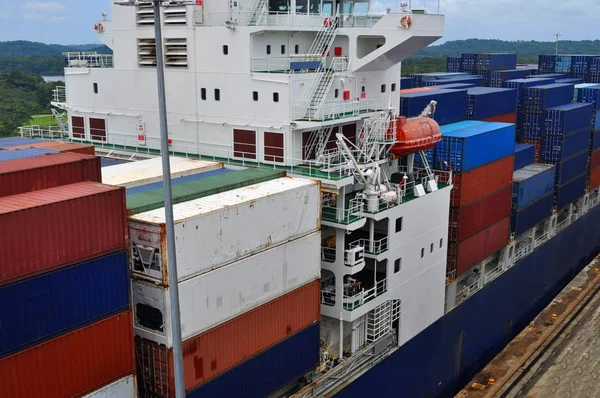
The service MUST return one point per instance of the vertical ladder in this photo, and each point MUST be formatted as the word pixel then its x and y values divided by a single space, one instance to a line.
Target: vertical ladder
pixel 258 12
pixel 379 321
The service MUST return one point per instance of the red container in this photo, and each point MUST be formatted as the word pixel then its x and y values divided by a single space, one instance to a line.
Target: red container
pixel 464 255
pixel 60 146
pixel 56 227
pixel 595 160
pixel 481 182
pixel 227 345
pixel 537 147
pixel 42 172
pixel 418 90
pixel 73 364
pixel 594 179
pixel 506 118
pixel 467 221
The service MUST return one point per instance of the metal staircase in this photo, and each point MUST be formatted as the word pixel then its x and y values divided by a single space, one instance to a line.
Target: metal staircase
pixel 316 93
pixel 377 135
pixel 317 142
pixel 379 321
pixel 62 119
pixel 258 13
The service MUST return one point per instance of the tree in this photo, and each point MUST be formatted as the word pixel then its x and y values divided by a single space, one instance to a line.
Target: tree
pixel 14 113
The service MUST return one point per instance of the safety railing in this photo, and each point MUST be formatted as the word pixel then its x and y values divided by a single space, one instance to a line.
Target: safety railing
pixel 378 246
pixel 59 94
pixel 468 291
pixel 335 110
pixel 358 21
pixel 328 296
pixel 523 251
pixel 344 216
pixel 364 296
pixel 328 254
pixel 340 64
pixel 88 60
pixel 49 132
pixel 543 238
pixel 494 273
pixel 291 64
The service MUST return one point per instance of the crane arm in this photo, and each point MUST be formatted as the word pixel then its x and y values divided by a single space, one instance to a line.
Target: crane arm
pixel 344 148
pixel 429 109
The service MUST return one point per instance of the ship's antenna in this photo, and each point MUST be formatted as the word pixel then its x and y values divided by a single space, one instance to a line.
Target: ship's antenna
pixel 557 36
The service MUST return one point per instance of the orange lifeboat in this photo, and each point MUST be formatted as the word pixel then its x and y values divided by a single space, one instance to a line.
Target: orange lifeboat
pixel 414 135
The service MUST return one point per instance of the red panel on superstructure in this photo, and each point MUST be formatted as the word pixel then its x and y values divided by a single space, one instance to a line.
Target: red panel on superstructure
pixel 273 147
pixel 227 345
pixel 481 182
pixel 56 227
pixel 59 146
pixel 73 364
pixel 415 134
pixel 42 172
pixel 506 118
pixel 464 255
pixel 244 144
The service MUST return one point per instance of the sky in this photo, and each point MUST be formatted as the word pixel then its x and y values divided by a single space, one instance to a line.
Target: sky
pixel 72 21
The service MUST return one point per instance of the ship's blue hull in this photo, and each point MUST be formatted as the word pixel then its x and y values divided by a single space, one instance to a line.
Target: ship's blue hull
pixel 444 357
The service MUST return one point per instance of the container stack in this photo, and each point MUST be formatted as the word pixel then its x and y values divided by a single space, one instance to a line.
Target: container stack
pixel 536 99
pixel 524 155
pixel 453 64
pixel 249 285
pixel 67 327
pixel 451 104
pixel 590 93
pixel 492 104
pixel 580 66
pixel 481 157
pixel 519 84
pixel 532 196
pixel 566 144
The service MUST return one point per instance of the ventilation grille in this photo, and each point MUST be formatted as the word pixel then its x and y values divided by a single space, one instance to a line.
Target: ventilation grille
pixel 146 50
pixel 175 15
pixel 176 53
pixel 144 14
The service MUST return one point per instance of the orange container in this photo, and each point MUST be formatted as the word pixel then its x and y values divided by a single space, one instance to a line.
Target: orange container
pixel 481 182
pixel 595 178
pixel 225 346
pixel 418 90
pixel 72 364
pixel 506 118
pixel 595 160
pixel 60 146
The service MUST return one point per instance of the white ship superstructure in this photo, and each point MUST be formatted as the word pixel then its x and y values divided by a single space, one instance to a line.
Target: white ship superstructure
pixel 309 87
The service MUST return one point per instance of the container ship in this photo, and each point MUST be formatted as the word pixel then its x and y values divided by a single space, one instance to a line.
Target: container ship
pixel 339 229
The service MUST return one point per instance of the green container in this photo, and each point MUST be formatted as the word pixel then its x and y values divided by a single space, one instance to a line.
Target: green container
pixel 154 199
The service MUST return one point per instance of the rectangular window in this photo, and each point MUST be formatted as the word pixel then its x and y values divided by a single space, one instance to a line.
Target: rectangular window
pixel 225 49
pixel 203 94
pixel 363 89
pixel 283 48
pixel 397 265
pixel 273 147
pixel 441 242
pixel 296 49
pixel 268 49
pixel 431 248
pixel 399 224
pixel 95 88
pixel 393 87
pixel 275 97
pixel 244 144
pixel 383 88
pixel 98 129
pixel 336 93
pixel 217 94
pixel 78 126
pixel 255 95
pixel 422 252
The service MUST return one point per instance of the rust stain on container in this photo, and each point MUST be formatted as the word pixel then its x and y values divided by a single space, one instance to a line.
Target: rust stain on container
pixel 59 146
pixel 223 347
pixel 72 364
pixel 42 172
pixel 81 221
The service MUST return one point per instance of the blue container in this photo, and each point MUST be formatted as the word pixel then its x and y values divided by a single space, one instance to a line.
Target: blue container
pixel 532 183
pixel 473 147
pixel 524 155
pixel 571 191
pixel 566 119
pixel 451 104
pixel 15 141
pixel 448 128
pixel 268 371
pixel 497 78
pixel 494 62
pixel 468 62
pixel 45 306
pixel 538 98
pixel 556 148
pixel 531 126
pixel 547 63
pixel 594 66
pixel 570 80
pixel 570 168
pixel 467 79
pixel 529 216
pixel 105 162
pixel 484 102
pixel 455 86
pixel 519 84
pixel 589 93
pixel 429 154
pixel 176 181
pixel 580 64
pixel 6 155
pixel 562 64
pixel 453 64
pixel 595 144
pixel 406 83
pixel 549 76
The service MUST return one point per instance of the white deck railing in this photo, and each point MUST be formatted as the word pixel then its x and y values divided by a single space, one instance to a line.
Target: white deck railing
pixel 378 247
pixel 364 296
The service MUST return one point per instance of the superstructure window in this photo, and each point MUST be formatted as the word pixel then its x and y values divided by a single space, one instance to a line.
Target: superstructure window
pixel 283 48
pixel 255 95
pixel 268 49
pixel 296 49
pixel 441 243
pixel 95 88
pixel 422 252
pixel 275 97
pixel 431 248
pixel 363 89
pixel 397 265
pixel 383 88
pixel 98 129
pixel 336 93
pixel 393 87
pixel 399 224
pixel 217 94
pixel 203 94
pixel 225 49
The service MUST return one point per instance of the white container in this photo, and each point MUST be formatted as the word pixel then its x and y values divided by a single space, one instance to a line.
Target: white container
pixel 218 296
pixel 123 388
pixel 217 230
pixel 133 174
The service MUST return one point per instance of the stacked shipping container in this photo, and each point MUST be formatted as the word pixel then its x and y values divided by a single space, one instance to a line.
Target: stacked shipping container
pixel 481 156
pixel 67 283
pixel 532 196
pixel 492 103
pixel 246 293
